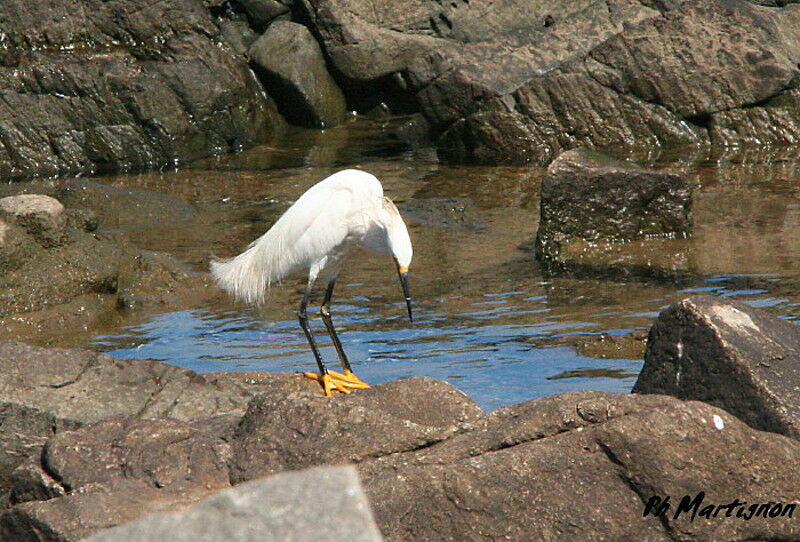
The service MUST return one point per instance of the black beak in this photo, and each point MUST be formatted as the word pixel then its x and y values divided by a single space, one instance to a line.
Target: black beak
pixel 404 283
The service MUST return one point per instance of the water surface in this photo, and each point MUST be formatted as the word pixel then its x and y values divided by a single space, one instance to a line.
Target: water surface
pixel 486 318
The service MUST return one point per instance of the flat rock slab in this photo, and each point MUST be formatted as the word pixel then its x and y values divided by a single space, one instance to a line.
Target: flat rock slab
pixel 46 391
pixel 324 503
pixel 602 213
pixel 289 60
pixel 730 355
pixel 583 466
pixel 281 432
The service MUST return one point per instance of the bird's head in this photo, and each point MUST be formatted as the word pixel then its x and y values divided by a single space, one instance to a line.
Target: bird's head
pixel 399 245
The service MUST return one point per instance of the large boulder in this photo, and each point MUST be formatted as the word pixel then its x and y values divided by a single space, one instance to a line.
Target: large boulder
pixel 110 85
pixel 730 355
pixel 324 503
pixel 521 81
pixel 290 62
pixel 611 216
pixel 585 470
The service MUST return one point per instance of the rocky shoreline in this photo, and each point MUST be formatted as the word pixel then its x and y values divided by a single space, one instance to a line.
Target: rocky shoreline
pixel 131 84
pixel 91 442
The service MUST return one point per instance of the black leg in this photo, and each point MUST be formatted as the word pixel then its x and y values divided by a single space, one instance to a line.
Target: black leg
pixel 325 312
pixel 302 316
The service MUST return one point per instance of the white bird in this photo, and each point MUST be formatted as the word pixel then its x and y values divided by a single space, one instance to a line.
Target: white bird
pixel 340 213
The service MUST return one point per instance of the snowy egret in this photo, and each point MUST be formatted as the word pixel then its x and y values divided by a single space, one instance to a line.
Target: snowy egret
pixel 338 214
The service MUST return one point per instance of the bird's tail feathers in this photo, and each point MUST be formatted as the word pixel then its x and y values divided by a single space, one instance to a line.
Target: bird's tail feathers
pixel 243 276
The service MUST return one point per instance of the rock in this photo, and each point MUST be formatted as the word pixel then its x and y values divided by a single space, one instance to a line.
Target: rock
pixel 74 517
pixel 126 208
pixel 593 206
pixel 584 470
pixel 730 355
pixel 262 12
pixel 41 216
pixel 292 66
pixel 45 391
pixel 314 504
pixel 120 84
pixel 451 213
pixel 519 82
pixel 281 432
pixel 167 454
pixel 238 34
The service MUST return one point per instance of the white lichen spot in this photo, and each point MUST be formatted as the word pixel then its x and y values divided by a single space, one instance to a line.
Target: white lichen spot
pixel 719 423
pixel 678 377
pixel 735 318
pixel 679 347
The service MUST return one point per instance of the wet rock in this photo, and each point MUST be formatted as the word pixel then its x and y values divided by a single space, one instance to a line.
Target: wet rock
pixel 611 451
pixel 281 432
pixel 516 82
pixel 592 207
pixel 120 85
pixel 324 502
pixel 41 216
pixel 730 355
pixel 238 34
pixel 53 259
pixel 46 391
pixel 126 208
pixel 262 12
pixel 605 346
pixel 292 66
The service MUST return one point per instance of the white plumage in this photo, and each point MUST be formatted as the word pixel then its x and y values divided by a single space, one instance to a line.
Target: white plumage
pixel 336 215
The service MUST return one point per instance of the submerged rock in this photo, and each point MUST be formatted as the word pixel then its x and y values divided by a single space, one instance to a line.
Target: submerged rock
pixel 290 62
pixel 730 355
pixel 611 216
pixel 124 207
pixel 324 503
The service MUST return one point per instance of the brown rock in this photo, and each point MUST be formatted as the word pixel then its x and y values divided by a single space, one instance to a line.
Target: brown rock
pixel 602 215
pixel 521 82
pixel 113 85
pixel 46 391
pixel 730 355
pixel 586 474
pixel 290 62
pixel 281 432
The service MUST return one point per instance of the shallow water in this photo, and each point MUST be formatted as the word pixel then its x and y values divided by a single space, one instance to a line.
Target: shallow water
pixel 486 319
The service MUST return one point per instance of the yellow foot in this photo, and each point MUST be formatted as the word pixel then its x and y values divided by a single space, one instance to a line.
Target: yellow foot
pixel 343 383
pixel 351 378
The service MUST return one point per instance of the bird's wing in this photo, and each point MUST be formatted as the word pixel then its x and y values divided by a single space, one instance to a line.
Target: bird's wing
pixel 314 226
